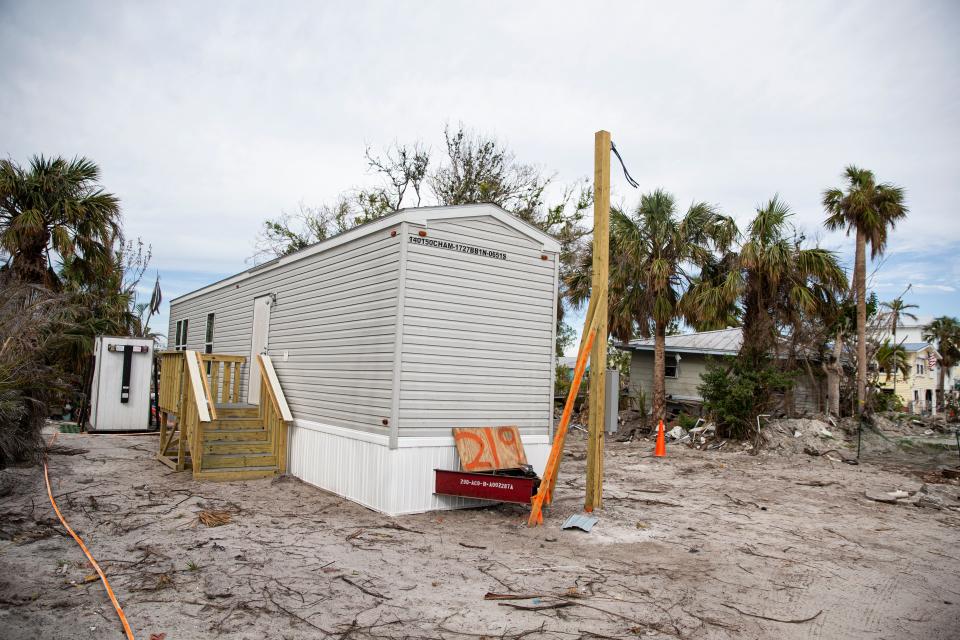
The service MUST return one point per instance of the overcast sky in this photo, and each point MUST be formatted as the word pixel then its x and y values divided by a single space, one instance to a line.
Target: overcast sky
pixel 207 118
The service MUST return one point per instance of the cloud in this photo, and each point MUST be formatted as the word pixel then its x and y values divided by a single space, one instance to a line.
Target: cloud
pixel 209 118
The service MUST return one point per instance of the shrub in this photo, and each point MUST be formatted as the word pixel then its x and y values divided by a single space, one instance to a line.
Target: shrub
pixel 562 380
pixel 735 392
pixel 30 377
pixel 883 402
pixel 686 421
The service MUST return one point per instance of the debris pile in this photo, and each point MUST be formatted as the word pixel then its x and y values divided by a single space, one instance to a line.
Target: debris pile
pixel 805 435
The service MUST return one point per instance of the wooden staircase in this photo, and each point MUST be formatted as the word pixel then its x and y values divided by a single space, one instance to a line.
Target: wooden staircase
pixel 237 446
pixel 221 441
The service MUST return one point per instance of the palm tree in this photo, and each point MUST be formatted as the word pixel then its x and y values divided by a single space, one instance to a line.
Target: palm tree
pixel 896 310
pixel 839 323
pixel 54 206
pixel 892 357
pixel 654 255
pixel 870 211
pixel 774 278
pixel 945 331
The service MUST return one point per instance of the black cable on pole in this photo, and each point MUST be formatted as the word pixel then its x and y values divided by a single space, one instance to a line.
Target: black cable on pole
pixel 626 174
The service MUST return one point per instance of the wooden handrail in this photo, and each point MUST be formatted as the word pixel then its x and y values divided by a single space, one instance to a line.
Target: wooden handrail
pixel 274 410
pixel 220 357
pixel 197 407
pixel 208 397
pixel 273 386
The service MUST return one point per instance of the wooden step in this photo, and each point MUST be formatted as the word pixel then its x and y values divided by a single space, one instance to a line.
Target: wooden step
pixel 236 435
pixel 237 411
pixel 232 446
pixel 219 461
pixel 233 423
pixel 228 475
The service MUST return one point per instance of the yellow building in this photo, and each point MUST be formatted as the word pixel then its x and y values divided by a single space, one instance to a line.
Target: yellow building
pixel 918 391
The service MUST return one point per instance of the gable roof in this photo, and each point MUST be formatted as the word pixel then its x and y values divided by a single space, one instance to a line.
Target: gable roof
pixel 416 215
pixel 722 342
pixel 913 347
pixel 726 342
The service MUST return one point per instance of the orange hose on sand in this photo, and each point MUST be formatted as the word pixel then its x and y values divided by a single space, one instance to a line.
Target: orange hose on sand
pixel 103 577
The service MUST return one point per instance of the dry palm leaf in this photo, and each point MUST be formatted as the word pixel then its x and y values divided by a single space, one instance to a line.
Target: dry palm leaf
pixel 214 518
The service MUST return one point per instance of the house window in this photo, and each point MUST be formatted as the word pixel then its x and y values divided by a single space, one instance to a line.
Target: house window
pixel 208 341
pixel 671 365
pixel 180 344
pixel 921 368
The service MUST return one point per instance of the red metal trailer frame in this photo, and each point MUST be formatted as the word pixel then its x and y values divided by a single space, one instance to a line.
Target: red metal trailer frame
pixel 484 486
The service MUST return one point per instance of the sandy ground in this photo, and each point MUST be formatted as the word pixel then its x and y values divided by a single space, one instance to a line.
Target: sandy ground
pixel 702 544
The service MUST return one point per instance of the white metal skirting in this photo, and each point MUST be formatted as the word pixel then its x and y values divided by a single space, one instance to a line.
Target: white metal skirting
pixel 363 468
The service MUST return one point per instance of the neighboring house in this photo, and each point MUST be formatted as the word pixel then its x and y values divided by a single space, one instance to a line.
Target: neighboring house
pixel 686 360
pixel 570 362
pixel 918 391
pixel 911 332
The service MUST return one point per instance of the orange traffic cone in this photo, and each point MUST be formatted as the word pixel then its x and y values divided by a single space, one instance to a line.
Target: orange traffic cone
pixel 661 449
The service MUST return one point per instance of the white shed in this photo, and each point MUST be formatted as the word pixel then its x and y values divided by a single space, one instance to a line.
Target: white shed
pixel 120 387
pixel 387 336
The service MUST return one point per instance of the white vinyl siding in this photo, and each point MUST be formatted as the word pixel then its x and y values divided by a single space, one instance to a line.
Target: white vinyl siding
pixel 334 315
pixel 477 343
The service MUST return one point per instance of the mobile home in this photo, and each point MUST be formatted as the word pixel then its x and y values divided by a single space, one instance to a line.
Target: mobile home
pixel 387 336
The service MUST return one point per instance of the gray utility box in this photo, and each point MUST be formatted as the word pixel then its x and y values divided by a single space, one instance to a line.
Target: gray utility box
pixel 120 390
pixel 611 412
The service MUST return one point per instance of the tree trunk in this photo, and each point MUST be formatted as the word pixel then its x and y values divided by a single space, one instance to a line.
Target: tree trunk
pixel 895 354
pixel 30 263
pixel 790 396
pixel 860 275
pixel 941 400
pixel 659 366
pixel 834 374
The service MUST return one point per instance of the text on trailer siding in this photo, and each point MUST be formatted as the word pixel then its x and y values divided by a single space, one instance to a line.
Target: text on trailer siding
pixel 456 246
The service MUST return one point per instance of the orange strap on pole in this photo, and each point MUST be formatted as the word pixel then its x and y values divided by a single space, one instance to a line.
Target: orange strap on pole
pixel 103 577
pixel 553 462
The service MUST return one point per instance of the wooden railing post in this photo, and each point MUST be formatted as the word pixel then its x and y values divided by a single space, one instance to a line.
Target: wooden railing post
pixel 236 380
pixel 227 376
pixel 215 380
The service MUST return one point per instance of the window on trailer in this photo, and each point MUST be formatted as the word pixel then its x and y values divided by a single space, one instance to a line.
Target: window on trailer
pixel 208 343
pixel 208 340
pixel 180 344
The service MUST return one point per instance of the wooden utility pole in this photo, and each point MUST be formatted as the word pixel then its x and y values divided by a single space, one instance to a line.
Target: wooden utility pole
pixel 598 293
